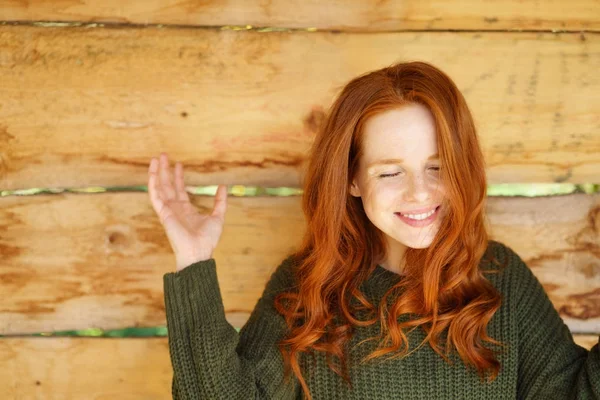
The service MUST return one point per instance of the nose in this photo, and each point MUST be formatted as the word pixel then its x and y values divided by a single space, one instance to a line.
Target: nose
pixel 419 190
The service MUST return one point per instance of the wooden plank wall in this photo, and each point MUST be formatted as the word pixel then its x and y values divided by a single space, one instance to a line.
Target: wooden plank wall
pixel 92 91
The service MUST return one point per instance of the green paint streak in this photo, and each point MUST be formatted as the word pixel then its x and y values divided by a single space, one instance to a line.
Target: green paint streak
pixel 503 189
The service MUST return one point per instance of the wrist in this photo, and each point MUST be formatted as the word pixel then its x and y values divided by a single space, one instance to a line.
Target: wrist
pixel 183 262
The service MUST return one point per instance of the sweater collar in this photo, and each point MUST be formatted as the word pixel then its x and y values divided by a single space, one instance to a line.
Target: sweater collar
pixel 385 273
pixel 381 279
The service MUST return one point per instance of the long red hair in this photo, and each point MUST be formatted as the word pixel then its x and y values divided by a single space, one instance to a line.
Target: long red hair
pixel 442 284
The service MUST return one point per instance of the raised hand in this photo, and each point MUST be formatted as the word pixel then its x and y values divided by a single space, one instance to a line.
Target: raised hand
pixel 193 236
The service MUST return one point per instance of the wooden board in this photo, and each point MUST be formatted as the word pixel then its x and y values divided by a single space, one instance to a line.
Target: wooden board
pixel 559 239
pixel 92 106
pixel 85 368
pixel 96 261
pixel 346 15
pixel 97 368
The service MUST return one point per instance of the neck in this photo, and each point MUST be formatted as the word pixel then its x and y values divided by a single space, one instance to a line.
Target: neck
pixel 393 260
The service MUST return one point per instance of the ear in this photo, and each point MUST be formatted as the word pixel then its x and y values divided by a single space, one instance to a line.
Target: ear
pixel 354 191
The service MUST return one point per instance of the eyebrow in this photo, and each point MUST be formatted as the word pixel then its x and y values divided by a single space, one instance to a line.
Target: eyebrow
pixel 398 160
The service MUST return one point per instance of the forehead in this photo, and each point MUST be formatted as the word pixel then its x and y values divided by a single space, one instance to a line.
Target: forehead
pixel 405 132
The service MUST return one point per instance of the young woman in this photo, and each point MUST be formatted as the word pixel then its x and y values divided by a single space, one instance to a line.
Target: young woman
pixel 396 291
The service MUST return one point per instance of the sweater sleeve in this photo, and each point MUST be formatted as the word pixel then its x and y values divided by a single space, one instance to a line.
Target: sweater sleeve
pixel 210 359
pixel 551 364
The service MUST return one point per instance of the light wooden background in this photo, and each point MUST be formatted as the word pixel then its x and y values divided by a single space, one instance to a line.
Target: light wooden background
pixel 236 91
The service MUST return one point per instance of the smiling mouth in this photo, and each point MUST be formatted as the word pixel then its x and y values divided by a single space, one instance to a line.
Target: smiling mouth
pixel 419 212
pixel 419 222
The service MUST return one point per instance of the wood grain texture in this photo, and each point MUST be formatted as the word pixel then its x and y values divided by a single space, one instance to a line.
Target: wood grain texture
pixel 91 106
pixel 97 261
pixel 343 15
pixel 60 368
pixel 586 341
pixel 53 368
pixel 559 239
pixel 81 261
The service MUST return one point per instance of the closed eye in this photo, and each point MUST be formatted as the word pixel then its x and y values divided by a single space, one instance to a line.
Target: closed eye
pixel 397 173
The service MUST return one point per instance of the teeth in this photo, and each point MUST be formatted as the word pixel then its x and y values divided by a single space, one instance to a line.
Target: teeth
pixel 419 216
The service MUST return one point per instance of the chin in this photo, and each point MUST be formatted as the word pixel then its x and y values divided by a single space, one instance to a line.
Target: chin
pixel 417 244
pixel 422 246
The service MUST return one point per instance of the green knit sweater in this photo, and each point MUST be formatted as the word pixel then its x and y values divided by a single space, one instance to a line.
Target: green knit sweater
pixel 211 360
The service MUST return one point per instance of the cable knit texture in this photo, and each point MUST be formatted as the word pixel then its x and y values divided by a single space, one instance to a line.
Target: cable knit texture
pixel 211 360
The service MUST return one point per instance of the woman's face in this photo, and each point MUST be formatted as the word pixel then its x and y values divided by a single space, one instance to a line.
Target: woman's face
pixel 399 173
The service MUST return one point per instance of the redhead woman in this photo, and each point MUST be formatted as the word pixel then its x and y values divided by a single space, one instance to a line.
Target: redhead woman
pixel 396 291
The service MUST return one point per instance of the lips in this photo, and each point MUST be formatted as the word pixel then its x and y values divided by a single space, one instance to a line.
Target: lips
pixel 419 223
pixel 418 211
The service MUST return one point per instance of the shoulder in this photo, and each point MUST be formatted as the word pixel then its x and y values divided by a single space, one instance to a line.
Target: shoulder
pixel 516 280
pixel 504 267
pixel 502 255
pixel 283 278
pixel 513 261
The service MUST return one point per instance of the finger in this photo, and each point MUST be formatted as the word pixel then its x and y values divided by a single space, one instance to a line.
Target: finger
pixel 220 202
pixel 156 184
pixel 166 182
pixel 155 199
pixel 179 183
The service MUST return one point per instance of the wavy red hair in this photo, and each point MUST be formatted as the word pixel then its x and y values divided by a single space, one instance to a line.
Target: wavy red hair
pixel 442 284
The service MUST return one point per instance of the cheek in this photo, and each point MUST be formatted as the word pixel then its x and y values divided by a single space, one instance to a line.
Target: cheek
pixel 382 201
pixel 439 188
pixel 387 187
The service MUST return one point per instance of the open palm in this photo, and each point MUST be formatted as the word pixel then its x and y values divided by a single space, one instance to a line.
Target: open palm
pixel 193 236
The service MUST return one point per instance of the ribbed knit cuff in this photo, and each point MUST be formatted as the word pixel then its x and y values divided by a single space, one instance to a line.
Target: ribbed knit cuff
pixel 192 297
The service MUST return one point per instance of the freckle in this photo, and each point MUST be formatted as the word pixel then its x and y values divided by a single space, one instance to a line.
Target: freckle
pixel 184 114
